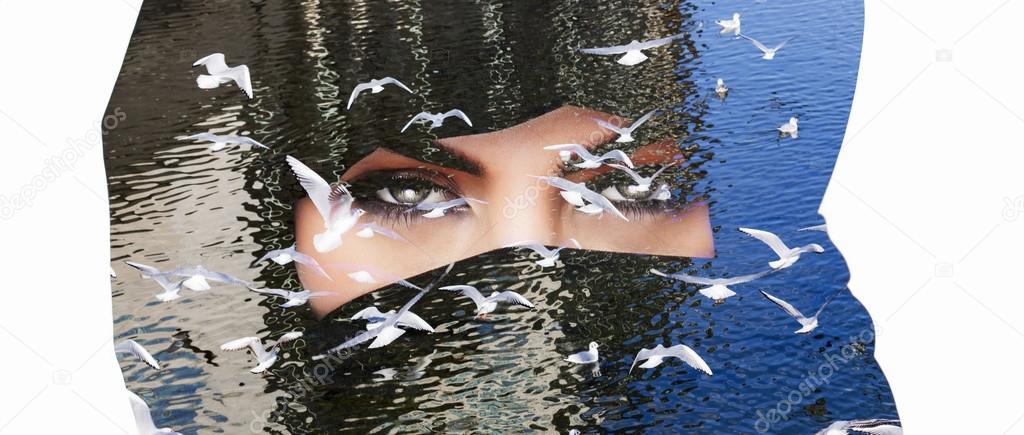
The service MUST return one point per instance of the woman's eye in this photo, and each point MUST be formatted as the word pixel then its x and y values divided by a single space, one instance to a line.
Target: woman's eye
pixel 410 196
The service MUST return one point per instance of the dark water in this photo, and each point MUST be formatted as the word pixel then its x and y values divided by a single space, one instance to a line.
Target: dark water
pixel 176 203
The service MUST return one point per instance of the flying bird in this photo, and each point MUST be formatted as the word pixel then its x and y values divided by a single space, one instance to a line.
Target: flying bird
pixel 375 86
pixel 198 278
pixel 787 256
pixel 437 119
pixel 294 298
pixel 387 330
pixel 790 128
pixel 333 203
pixel 548 256
pixel 486 305
pixel 172 288
pixel 590 161
pixel 144 418
pixel 221 141
pixel 290 254
pixel 585 200
pixel 873 426
pixel 730 26
pixel 654 357
pixel 717 288
pixel 625 133
pixel 643 184
pixel 588 356
pixel 807 324
pixel 136 349
pixel 767 53
pixel 374 318
pixel 266 356
pixel 218 72
pixel 633 51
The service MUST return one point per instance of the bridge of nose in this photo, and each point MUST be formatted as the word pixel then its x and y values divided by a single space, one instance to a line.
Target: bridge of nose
pixel 521 207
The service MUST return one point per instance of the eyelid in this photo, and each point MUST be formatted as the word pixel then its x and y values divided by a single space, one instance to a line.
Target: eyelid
pixel 424 174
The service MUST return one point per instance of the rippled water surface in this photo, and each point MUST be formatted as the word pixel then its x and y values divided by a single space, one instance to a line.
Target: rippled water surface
pixel 177 203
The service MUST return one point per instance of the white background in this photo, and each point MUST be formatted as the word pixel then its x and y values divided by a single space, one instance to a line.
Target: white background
pixel 924 204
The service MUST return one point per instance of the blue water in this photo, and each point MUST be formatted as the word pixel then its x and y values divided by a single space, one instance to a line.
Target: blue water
pixel 176 203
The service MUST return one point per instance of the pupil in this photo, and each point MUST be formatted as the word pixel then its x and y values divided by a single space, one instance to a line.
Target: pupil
pixel 407 196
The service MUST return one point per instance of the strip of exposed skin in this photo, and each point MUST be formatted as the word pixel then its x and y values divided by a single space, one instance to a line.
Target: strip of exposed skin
pixel 495 167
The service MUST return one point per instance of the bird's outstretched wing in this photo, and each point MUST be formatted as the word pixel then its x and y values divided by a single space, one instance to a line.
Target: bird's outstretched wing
pixel 214 63
pixel 532 245
pixel 419 116
pixel 466 290
pixel 243 79
pixel 355 93
pixel 460 114
pixel 253 343
pixel 394 81
pixel 658 42
pixel 606 51
pixel 316 187
pixel 513 298
pixel 251 142
pixel 756 43
pixel 769 239
pixel 789 309
pixel 136 349
pixel 689 356
pixel 640 121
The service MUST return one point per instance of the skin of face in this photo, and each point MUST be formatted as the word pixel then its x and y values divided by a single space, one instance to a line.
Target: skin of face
pixel 518 208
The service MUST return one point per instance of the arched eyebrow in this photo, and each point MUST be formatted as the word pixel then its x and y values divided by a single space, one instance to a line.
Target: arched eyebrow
pixel 451 161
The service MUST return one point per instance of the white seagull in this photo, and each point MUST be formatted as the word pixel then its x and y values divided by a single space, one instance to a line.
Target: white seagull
pixel 486 305
pixel 625 133
pixel 435 210
pixel 172 289
pixel 437 119
pixel 290 254
pixel 220 73
pixel 588 356
pixel 790 128
pixel 590 161
pixel 266 356
pixel 721 89
pixel 654 357
pixel 787 255
pixel 633 51
pixel 585 200
pixel 823 228
pixel 294 298
pixel 221 141
pixel 198 278
pixel 136 349
pixel 387 331
pixel 144 418
pixel 333 203
pixel 717 288
pixel 730 26
pixel 807 324
pixel 643 184
pixel 548 256
pixel 768 53
pixel 375 86
pixel 375 318
pixel 873 426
